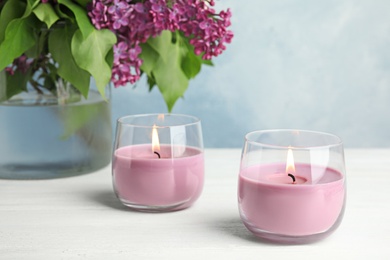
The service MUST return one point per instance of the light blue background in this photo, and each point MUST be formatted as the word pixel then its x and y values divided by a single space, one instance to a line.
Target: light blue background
pixel 315 65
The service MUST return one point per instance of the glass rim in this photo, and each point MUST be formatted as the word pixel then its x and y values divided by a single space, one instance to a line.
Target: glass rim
pixel 338 141
pixel 120 120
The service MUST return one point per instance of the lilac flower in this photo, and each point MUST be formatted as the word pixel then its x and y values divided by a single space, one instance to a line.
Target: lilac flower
pixel 120 51
pixel 140 8
pixel 22 64
pixel 208 29
pixel 119 12
pixel 118 6
pixel 98 15
pixel 134 23
pixel 126 64
pixel 134 52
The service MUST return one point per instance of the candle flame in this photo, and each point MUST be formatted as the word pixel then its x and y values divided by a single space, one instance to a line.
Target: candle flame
pixel 155 140
pixel 290 166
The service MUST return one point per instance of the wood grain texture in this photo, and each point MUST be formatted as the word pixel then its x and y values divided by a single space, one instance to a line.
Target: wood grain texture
pixel 80 217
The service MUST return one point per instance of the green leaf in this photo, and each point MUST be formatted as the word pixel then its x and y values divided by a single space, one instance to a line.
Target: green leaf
pixel 207 62
pixel 110 57
pixel 49 84
pixel 168 74
pixel 36 50
pixel 46 14
pixel 161 43
pixel 83 3
pixel 31 4
pixel 19 37
pixel 3 86
pixel 151 82
pixel 169 62
pixel 64 14
pixel 149 56
pixel 52 80
pixel 90 54
pixel 16 83
pixel 60 41
pixel 81 17
pixel 75 118
pixel 191 65
pixel 12 9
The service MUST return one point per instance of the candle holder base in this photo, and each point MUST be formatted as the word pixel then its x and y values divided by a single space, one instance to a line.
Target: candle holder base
pixel 155 208
pixel 290 239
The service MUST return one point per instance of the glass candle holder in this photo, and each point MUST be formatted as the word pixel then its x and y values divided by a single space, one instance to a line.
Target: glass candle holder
pixel 292 186
pixel 158 162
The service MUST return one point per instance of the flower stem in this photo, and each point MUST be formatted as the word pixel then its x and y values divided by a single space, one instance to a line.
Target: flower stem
pixel 36 86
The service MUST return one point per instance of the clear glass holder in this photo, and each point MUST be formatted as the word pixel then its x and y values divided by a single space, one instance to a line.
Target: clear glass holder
pixel 158 162
pixel 292 186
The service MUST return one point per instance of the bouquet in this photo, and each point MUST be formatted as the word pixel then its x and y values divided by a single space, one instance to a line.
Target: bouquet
pixel 47 42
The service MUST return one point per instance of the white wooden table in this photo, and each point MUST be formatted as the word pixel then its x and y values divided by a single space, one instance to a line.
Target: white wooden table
pixel 80 217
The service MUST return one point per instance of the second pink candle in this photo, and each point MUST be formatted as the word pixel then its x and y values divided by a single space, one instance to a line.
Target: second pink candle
pixel 142 178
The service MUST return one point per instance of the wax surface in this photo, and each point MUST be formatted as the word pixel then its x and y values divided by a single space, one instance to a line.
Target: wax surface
pixel 291 209
pixel 141 178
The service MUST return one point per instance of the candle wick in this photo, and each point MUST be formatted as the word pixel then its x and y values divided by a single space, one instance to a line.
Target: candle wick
pixel 292 177
pixel 157 154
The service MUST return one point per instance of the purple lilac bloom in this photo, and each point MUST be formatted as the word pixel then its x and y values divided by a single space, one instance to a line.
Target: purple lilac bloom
pixel 126 64
pixel 98 15
pixel 22 64
pixel 134 23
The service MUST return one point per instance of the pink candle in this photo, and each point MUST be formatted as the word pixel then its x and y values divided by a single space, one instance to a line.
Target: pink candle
pixel 175 180
pixel 270 201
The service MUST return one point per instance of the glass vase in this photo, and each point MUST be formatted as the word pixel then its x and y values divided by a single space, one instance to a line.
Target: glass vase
pixel 45 136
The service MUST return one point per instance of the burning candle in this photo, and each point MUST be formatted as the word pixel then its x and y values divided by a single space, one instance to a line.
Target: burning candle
pixel 151 175
pixel 288 177
pixel 289 201
pixel 155 142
